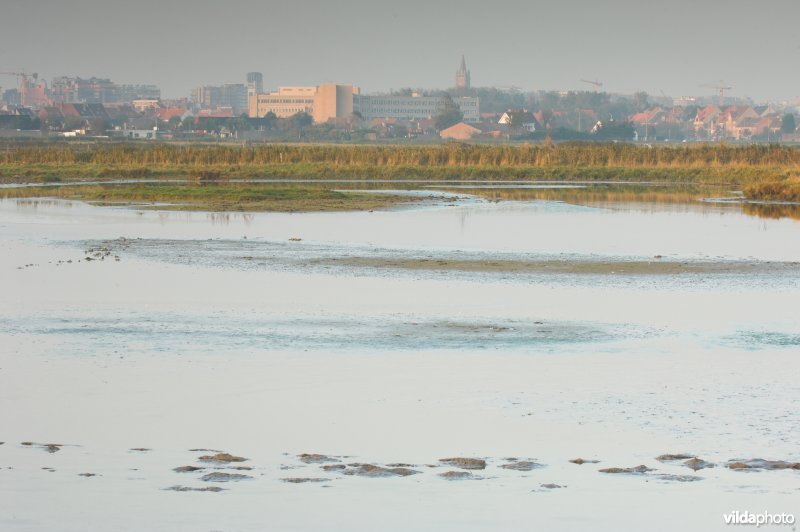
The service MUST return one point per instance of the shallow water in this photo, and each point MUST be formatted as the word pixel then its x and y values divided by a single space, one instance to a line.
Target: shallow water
pixel 216 331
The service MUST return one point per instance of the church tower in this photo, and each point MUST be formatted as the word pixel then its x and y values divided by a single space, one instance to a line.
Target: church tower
pixel 462 75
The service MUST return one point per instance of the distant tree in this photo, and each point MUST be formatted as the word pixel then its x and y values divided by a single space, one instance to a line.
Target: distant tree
pixel 174 122
pixel 187 124
pixel 301 120
pixel 241 123
pixel 612 130
pixel 640 100
pixel 516 119
pixel 72 123
pixel 449 114
pixel 99 125
pixel 19 122
pixel 547 118
pixel 119 120
pixel 788 124
pixel 399 131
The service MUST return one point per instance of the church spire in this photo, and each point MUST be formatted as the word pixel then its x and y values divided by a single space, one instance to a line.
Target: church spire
pixel 462 75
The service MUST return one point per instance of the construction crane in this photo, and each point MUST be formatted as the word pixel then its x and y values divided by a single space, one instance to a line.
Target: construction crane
pixel 596 84
pixel 721 87
pixel 509 88
pixel 23 84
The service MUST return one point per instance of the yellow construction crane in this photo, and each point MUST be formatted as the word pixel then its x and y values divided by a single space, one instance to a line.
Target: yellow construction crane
pixel 721 87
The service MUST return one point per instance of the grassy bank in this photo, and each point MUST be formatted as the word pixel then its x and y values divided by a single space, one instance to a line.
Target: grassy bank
pixel 54 172
pixel 212 197
pixel 763 172
pixel 447 155
pixel 774 190
pixel 708 163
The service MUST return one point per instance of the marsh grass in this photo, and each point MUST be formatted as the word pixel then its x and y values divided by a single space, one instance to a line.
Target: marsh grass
pixel 763 172
pixel 218 197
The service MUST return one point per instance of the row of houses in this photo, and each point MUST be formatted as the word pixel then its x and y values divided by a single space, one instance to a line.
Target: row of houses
pixel 712 122
pixel 708 123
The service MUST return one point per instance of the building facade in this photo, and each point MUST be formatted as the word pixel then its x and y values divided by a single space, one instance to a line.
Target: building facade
pixel 324 102
pixel 413 107
pixel 333 101
pixel 79 90
pixel 255 84
pixel 129 93
pixel 231 95
pixel 283 103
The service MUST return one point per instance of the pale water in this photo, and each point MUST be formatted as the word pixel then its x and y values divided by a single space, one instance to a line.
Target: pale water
pixel 217 331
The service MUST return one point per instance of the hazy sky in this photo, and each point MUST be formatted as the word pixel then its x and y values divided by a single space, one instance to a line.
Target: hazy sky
pixel 672 45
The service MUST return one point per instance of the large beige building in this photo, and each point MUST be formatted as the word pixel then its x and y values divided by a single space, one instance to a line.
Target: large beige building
pixel 333 101
pixel 287 101
pixel 325 102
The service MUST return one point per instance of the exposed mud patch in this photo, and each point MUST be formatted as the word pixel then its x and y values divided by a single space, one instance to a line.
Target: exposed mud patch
pixel 464 463
pixel 627 470
pixel 696 464
pixel 375 471
pixel 222 458
pixel 522 465
pixel 187 469
pixel 316 458
pixel 214 489
pixel 674 457
pixel 678 478
pixel 224 477
pixel 761 464
pixel 456 475
pixel 49 447
pixel 301 480
pixel 581 461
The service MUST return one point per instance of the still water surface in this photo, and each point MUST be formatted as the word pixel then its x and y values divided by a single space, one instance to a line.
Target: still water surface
pixel 218 330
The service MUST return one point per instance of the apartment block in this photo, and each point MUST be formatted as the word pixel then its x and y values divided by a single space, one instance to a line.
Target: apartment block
pixel 413 107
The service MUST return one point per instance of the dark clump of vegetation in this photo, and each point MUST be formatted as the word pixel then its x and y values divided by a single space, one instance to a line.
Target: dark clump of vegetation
pixel 786 190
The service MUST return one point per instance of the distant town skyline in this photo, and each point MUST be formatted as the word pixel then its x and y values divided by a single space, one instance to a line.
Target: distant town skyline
pixel 629 46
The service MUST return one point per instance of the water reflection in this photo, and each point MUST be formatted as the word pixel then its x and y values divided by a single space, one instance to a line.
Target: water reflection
pixel 772 211
pixel 225 218
pixel 35 203
pixel 602 194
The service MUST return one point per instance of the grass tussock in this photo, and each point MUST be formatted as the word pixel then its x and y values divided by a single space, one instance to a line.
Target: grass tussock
pixel 785 190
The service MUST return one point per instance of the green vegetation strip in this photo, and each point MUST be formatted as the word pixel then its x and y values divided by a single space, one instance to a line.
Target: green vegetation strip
pixel 213 197
pixel 767 172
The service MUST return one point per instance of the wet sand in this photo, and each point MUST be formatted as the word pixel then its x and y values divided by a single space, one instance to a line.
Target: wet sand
pixel 564 267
